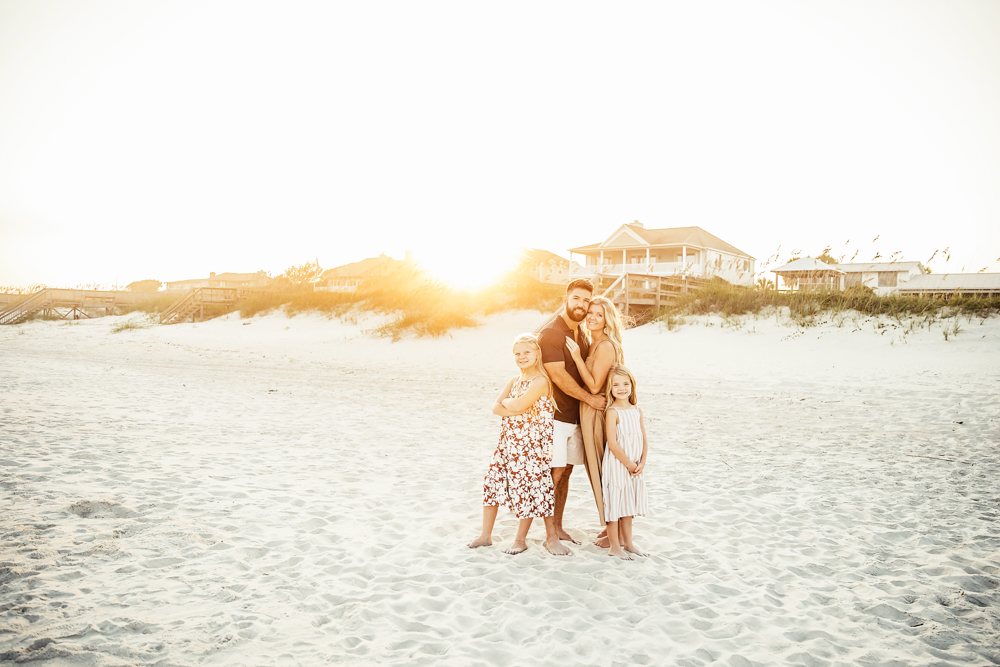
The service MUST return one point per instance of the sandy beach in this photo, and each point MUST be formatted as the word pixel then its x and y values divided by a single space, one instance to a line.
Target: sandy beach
pixel 291 491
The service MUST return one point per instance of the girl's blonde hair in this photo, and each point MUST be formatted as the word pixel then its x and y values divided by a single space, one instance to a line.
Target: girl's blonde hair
pixel 533 340
pixel 620 370
pixel 614 327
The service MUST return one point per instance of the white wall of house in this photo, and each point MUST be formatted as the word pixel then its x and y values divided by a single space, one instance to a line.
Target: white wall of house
pixel 667 261
pixel 883 282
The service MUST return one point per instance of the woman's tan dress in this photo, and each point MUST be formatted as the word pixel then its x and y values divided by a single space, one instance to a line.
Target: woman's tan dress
pixel 592 427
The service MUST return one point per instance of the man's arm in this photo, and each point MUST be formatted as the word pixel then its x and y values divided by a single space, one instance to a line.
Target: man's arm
pixel 565 381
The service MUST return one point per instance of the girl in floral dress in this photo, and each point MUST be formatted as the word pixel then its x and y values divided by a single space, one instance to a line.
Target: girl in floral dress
pixel 624 461
pixel 519 476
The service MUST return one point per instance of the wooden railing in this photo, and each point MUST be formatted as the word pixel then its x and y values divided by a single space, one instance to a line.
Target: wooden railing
pixel 77 301
pixel 640 296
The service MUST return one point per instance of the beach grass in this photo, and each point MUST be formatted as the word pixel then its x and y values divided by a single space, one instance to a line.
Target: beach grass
pixel 130 325
pixel 157 302
pixel 415 301
pixel 806 308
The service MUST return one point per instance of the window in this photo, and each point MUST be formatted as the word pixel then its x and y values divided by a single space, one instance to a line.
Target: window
pixel 886 278
pixel 852 279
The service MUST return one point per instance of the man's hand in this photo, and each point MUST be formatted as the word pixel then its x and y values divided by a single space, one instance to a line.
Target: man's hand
pixel 596 402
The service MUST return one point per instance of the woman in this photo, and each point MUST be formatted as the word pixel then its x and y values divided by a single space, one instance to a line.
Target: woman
pixel 605 326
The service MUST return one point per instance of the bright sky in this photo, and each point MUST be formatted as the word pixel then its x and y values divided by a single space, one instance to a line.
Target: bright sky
pixel 169 139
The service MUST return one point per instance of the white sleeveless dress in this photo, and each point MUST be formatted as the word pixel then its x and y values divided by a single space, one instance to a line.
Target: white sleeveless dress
pixel 624 495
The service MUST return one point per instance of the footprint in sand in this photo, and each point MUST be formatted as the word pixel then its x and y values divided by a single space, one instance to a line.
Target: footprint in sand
pixel 100 509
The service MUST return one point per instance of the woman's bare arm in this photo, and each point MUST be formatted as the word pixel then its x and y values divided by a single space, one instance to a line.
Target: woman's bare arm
pixel 604 359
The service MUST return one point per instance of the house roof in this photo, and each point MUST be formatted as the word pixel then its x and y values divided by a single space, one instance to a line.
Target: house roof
pixel 234 276
pixel 880 266
pixel 948 282
pixel 219 276
pixel 671 236
pixel 808 264
pixel 364 267
pixel 544 256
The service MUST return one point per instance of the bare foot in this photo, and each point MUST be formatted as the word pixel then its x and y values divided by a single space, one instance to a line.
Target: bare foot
pixel 603 541
pixel 620 553
pixel 481 542
pixel 516 547
pixel 563 535
pixel 556 548
pixel 632 549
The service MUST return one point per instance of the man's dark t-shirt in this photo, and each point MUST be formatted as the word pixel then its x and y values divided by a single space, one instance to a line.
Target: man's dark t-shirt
pixel 553 343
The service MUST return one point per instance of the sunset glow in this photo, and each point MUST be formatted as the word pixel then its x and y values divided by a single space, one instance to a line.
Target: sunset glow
pixel 467 268
pixel 167 140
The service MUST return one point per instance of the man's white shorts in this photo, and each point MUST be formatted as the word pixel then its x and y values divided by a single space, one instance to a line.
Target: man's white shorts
pixel 567 445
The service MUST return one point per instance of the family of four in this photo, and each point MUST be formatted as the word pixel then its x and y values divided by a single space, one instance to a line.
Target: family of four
pixel 573 388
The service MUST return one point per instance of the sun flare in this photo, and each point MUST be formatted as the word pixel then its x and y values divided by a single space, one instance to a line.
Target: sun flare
pixel 461 268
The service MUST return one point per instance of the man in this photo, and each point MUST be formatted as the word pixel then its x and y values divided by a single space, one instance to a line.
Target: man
pixel 567 441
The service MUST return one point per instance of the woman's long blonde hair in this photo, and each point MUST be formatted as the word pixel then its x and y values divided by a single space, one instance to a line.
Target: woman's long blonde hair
pixel 620 370
pixel 614 326
pixel 533 340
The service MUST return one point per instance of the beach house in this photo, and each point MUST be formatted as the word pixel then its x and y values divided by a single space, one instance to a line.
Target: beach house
pixel 808 273
pixel 545 266
pixel 952 284
pixel 689 251
pixel 346 278
pixel 238 280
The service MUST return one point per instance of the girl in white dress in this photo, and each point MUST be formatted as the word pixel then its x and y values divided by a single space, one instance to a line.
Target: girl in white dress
pixel 624 461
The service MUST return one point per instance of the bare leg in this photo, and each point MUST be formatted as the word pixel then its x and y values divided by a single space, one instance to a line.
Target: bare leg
pixel 519 544
pixel 485 538
pixel 552 543
pixel 560 479
pixel 616 547
pixel 602 540
pixel 626 536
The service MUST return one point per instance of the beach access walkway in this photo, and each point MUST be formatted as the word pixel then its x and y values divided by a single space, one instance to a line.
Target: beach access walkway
pixel 641 296
pixel 192 304
pixel 75 302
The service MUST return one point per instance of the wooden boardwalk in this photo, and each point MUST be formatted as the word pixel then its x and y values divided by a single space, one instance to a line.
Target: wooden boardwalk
pixel 641 296
pixel 75 302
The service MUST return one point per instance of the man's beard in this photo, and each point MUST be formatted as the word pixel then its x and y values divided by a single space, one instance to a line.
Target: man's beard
pixel 572 314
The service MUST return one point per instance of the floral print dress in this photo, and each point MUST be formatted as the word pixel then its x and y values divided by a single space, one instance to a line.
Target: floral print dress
pixel 519 476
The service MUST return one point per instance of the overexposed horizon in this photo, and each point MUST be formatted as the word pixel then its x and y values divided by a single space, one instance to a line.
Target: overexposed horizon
pixel 167 140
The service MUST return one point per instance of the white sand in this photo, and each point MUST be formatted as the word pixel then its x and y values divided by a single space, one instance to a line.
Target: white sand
pixel 291 492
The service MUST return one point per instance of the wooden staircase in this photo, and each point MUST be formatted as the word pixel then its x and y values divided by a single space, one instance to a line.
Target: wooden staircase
pixel 639 296
pixel 25 308
pixel 192 305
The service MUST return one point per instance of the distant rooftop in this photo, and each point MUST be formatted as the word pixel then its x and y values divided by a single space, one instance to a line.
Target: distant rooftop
pixel 671 236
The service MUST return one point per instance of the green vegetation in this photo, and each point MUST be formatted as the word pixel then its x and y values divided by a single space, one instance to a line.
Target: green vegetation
pixel 297 278
pixel 130 325
pixel 156 303
pixel 807 308
pixel 45 317
pixel 148 285
pixel 418 303
pixel 723 298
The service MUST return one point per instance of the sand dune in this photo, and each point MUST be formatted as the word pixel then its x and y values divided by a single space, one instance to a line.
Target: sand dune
pixel 293 492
